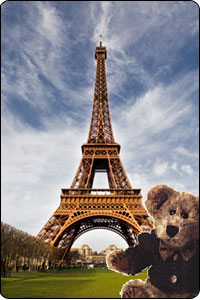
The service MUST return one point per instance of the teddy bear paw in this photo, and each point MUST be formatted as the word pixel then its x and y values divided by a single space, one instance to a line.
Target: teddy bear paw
pixel 132 290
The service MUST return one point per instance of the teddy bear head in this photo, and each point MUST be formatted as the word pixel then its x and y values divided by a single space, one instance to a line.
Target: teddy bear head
pixel 175 215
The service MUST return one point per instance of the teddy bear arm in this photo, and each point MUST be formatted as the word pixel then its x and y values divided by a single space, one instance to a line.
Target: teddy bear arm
pixel 120 262
pixel 141 256
pixel 134 259
pixel 139 259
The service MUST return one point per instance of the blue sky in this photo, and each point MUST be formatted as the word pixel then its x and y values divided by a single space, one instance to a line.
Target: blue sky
pixel 48 72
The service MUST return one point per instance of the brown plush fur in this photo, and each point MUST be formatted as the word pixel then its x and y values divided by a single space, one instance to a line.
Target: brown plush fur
pixel 169 209
pixel 183 204
pixel 144 289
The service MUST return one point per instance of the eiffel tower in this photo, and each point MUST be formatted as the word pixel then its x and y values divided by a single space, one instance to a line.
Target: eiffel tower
pixel 83 208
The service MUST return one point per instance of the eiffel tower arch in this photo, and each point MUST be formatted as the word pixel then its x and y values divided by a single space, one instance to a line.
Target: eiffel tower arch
pixel 82 208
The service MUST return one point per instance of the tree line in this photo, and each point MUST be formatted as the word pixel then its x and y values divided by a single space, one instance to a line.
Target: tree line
pixel 22 250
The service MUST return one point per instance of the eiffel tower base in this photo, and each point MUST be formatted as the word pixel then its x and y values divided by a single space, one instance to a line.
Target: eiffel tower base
pixel 82 210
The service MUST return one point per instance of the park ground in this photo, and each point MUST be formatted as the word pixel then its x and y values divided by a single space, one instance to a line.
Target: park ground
pixel 74 283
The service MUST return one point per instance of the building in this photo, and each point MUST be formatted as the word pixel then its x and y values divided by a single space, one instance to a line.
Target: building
pixel 110 249
pixel 85 251
pixel 88 257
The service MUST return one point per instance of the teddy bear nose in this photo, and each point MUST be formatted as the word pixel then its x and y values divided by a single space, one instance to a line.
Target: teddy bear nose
pixel 172 230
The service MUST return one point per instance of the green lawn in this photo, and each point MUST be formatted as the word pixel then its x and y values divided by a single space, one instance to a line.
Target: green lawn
pixel 78 283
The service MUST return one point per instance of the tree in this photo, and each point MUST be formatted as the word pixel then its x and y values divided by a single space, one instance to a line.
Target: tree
pixel 18 244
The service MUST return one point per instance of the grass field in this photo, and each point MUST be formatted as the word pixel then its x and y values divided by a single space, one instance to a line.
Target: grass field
pixel 77 283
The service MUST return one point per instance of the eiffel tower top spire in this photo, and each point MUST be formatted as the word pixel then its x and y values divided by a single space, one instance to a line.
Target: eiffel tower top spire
pixel 100 127
pixel 100 40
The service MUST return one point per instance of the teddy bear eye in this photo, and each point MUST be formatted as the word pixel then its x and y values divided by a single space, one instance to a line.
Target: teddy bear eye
pixel 172 212
pixel 184 215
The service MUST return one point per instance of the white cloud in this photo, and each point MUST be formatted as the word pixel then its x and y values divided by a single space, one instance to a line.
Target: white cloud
pixel 157 111
pixel 160 167
pixel 156 121
pixel 179 186
pixel 40 50
pixel 187 169
pixel 50 25
pixel 103 22
pixel 174 166
pixel 35 166
pixel 185 152
pixel 144 182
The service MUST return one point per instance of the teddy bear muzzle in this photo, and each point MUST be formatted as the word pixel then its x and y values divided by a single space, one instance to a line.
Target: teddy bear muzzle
pixel 172 230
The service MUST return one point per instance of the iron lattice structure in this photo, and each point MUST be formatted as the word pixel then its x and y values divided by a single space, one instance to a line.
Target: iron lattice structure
pixel 83 208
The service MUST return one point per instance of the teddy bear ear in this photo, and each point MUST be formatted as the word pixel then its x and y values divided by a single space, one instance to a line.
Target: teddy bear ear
pixel 156 197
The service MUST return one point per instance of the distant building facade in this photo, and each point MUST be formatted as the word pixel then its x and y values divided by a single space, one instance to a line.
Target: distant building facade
pixel 88 257
pixel 85 251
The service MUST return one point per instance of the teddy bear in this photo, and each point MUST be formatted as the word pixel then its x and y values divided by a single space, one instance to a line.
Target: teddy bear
pixel 169 251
